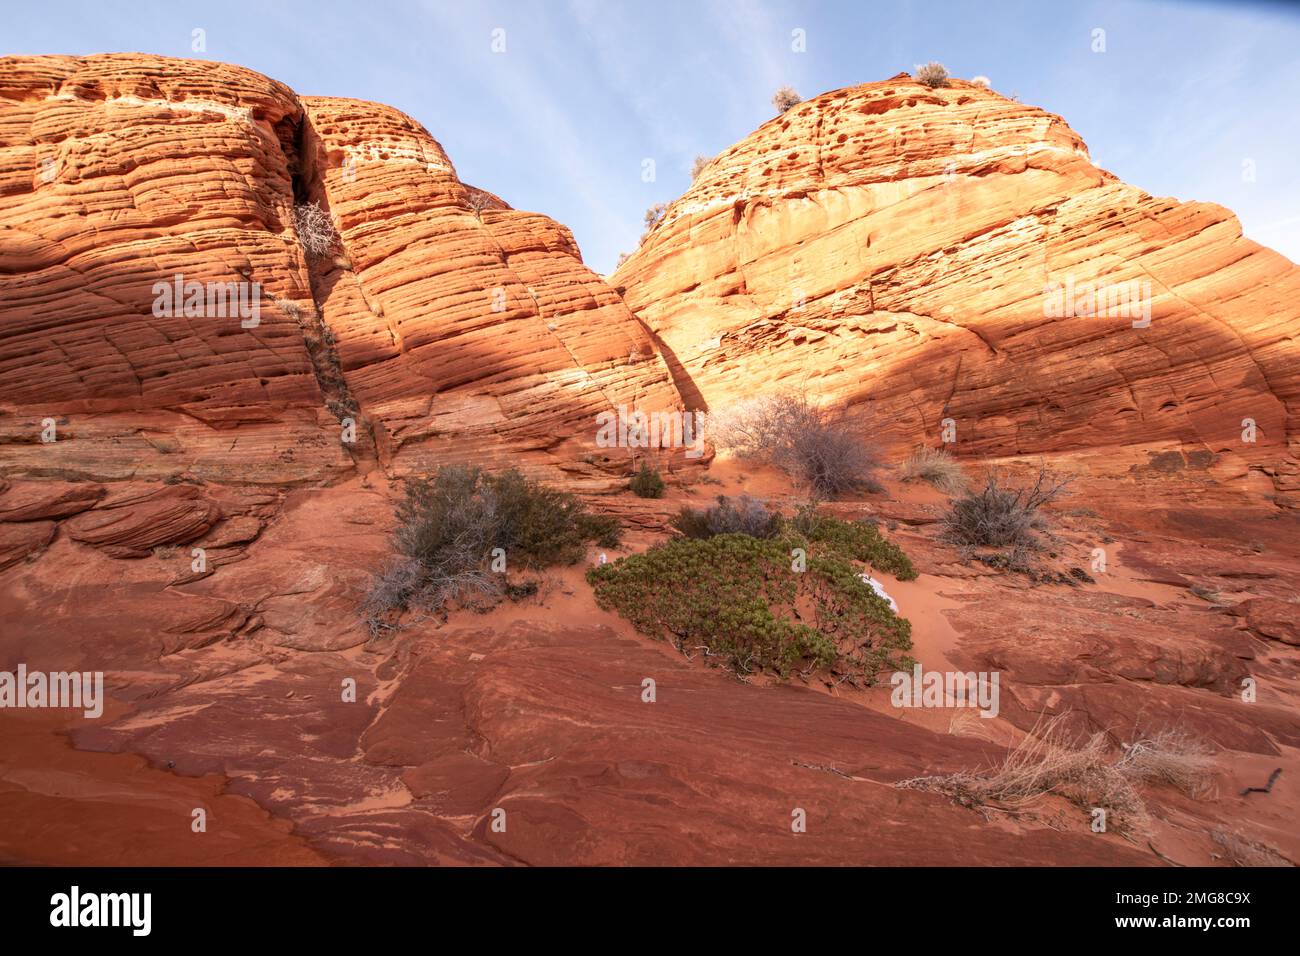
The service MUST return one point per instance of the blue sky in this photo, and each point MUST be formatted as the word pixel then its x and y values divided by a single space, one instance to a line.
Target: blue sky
pixel 1185 94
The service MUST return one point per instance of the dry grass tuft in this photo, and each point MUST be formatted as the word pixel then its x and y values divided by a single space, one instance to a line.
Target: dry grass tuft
pixel 1046 763
pixel 1174 757
pixel 937 467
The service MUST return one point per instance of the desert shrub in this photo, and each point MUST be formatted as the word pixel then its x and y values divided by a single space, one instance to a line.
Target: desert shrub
pixel 449 524
pixel 479 200
pixel 821 449
pixel 1173 757
pixel 935 466
pixel 622 258
pixel 653 216
pixel 734 597
pixel 933 75
pixel 517 591
pixel 647 483
pixel 981 81
pixel 1047 762
pixel 997 517
pixel 854 540
pixel 316 230
pixel 701 163
pixel 742 515
pixel 786 98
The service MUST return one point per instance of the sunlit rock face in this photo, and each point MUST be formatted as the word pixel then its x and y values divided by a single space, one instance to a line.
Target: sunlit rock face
pixel 951 257
pixel 160 316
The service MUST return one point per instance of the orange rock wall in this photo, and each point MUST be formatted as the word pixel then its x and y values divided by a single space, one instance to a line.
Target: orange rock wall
pixel 889 246
pixel 457 338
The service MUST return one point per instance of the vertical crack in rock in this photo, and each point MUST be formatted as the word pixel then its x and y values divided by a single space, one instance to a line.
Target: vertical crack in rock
pixel 300 144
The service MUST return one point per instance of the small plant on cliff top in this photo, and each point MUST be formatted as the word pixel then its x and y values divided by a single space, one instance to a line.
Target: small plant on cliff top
pixel 933 75
pixel 785 99
pixel 449 525
pixel 653 216
pixel 316 230
pixel 701 163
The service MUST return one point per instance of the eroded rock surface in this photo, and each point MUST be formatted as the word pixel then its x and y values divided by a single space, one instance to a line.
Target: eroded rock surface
pixel 443 325
pixel 891 246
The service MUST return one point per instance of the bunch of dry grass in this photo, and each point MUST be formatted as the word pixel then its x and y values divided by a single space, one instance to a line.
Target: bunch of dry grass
pixel 1046 763
pixel 937 467
pixel 1169 756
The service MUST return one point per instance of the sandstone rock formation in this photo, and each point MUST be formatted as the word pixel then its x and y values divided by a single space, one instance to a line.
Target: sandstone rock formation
pixel 909 251
pixel 456 332
pixel 451 327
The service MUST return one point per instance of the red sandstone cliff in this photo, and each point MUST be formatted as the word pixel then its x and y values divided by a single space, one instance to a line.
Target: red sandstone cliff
pixel 447 333
pixel 890 246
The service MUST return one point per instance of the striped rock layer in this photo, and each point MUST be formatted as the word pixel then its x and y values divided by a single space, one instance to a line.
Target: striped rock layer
pixel 441 326
pixel 927 256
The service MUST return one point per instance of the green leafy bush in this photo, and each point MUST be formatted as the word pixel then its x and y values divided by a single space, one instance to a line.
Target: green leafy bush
pixel 738 598
pixel 646 483
pixel 448 526
pixel 853 540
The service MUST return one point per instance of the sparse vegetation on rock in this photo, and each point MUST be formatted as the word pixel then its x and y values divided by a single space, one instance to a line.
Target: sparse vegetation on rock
pixel 996 516
pixel 653 216
pixel 933 75
pixel 1172 757
pixel 647 483
pixel 315 229
pixel 743 515
pixel 700 164
pixel 821 449
pixel 448 526
pixel 935 466
pixel 1047 762
pixel 733 597
pixel 785 98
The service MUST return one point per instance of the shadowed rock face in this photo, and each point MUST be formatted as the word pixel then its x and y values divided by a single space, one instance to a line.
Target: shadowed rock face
pixel 443 333
pixel 893 247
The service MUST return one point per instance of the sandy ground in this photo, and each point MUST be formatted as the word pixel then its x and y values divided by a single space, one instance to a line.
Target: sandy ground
pixel 231 724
